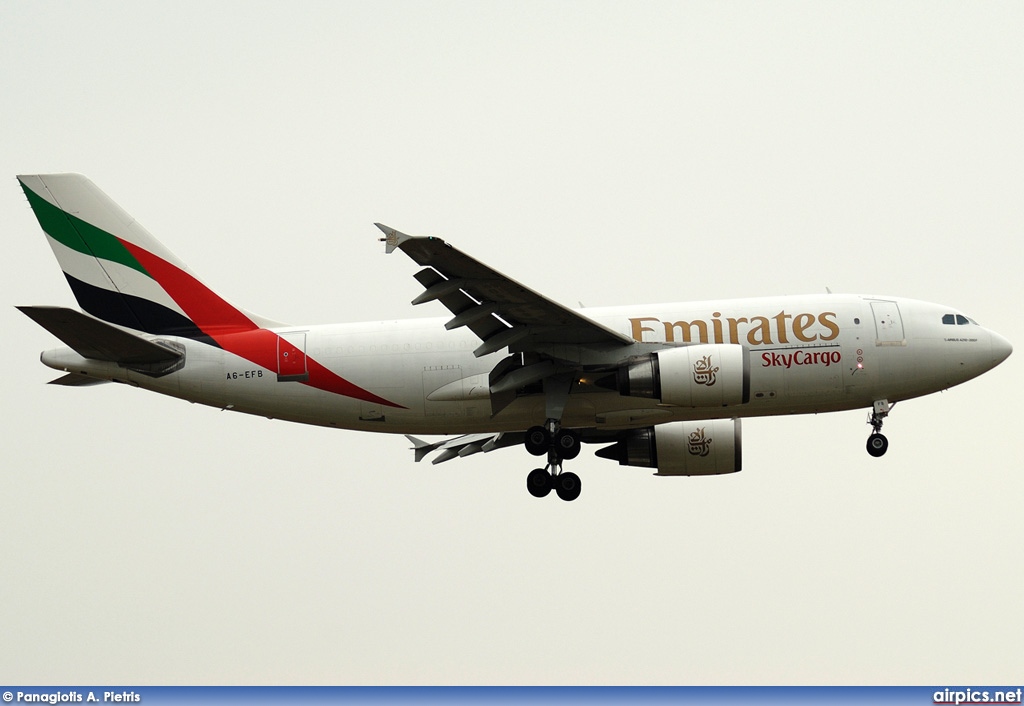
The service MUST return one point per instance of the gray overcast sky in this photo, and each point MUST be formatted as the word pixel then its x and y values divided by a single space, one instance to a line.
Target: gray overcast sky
pixel 599 152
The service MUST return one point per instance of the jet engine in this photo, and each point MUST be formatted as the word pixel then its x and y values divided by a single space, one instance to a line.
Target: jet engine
pixel 704 375
pixel 703 448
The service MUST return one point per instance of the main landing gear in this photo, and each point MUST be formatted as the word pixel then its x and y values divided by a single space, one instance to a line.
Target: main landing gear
pixel 877 443
pixel 558 444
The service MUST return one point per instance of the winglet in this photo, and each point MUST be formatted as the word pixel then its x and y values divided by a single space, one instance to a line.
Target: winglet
pixel 392 238
pixel 421 447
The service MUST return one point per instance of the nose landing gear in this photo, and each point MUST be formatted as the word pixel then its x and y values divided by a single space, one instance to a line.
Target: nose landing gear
pixel 559 444
pixel 877 443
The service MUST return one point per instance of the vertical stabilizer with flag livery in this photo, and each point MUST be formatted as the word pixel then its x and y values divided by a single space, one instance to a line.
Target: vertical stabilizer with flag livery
pixel 118 271
pixel 122 275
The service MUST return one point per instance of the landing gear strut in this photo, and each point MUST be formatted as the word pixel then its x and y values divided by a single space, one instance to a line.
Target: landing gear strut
pixel 558 444
pixel 877 443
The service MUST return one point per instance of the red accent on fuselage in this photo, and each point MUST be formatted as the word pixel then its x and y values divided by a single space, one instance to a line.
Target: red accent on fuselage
pixel 261 347
pixel 234 331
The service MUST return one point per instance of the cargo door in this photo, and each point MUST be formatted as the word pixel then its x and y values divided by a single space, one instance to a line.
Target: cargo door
pixel 888 324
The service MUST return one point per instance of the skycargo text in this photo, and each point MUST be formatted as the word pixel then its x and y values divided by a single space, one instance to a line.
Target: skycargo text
pixel 798 357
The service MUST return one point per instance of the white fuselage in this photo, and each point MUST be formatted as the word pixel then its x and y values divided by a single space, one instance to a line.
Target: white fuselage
pixel 814 353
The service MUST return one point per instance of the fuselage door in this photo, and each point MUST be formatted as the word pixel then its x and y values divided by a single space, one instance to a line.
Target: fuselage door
pixel 888 324
pixel 291 357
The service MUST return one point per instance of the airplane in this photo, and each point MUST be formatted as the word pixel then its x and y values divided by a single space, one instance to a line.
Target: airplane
pixel 660 386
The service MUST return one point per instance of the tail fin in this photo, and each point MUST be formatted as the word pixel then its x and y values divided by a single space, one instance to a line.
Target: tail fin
pixel 118 271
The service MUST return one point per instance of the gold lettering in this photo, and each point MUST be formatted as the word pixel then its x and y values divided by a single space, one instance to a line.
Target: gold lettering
pixel 764 327
pixel 638 327
pixel 780 320
pixel 686 328
pixel 831 325
pixel 800 324
pixel 734 334
pixel 760 333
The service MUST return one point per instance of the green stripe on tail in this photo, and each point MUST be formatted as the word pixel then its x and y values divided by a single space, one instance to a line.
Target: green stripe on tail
pixel 80 235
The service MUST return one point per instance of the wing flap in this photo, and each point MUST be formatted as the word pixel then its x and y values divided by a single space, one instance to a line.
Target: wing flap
pixel 484 325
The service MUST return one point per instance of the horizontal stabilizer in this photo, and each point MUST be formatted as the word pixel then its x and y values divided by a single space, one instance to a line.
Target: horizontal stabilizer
pixel 76 380
pixel 421 447
pixel 94 339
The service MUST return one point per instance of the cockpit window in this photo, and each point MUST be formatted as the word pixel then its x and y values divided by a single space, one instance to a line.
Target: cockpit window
pixel 957 320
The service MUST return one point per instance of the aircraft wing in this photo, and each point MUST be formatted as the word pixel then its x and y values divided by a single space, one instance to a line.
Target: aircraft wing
pixel 469 444
pixel 461 446
pixel 499 310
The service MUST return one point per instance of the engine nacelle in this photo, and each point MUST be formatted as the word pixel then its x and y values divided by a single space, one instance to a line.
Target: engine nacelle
pixel 704 448
pixel 705 375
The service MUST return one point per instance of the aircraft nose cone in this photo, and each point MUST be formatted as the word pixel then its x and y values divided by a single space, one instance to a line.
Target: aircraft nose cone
pixel 1001 349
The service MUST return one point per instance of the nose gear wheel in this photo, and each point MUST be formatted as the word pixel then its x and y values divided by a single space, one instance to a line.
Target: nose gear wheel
pixel 877 443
